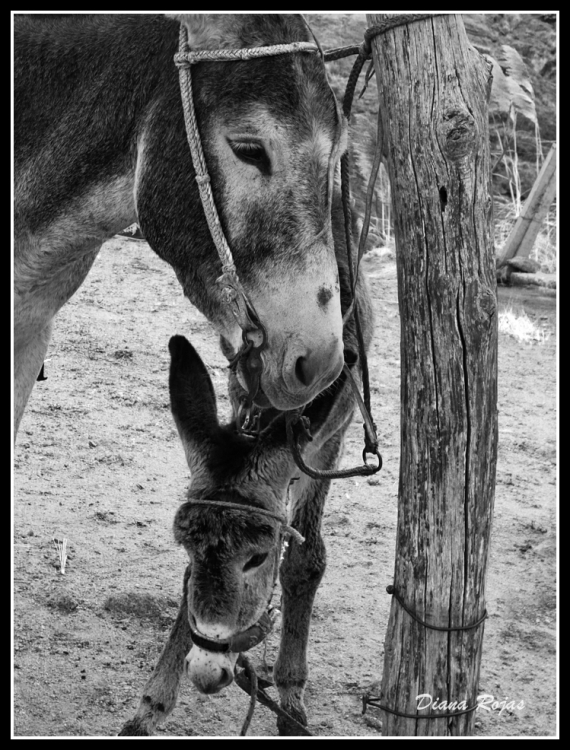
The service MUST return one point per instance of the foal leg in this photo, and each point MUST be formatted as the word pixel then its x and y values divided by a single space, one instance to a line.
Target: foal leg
pixel 300 574
pixel 161 690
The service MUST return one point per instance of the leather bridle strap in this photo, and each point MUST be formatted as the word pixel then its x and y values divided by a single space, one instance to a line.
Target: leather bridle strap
pixel 238 642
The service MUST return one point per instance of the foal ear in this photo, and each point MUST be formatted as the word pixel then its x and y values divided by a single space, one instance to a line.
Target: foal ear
pixel 192 399
pixel 209 30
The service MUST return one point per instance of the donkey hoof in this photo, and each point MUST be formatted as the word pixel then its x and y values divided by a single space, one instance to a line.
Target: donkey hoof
pixel 133 728
pixel 288 728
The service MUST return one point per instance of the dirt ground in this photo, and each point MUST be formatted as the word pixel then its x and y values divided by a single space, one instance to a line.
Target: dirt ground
pixel 98 461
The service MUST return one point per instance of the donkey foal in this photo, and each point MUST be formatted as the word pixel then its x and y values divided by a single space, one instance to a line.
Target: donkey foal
pixel 235 521
pixel 233 526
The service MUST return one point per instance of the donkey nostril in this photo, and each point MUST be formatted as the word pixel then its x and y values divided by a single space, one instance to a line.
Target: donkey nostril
pixel 304 372
pixel 350 357
pixel 307 368
pixel 227 678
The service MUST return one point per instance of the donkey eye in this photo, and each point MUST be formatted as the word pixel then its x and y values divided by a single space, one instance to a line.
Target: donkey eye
pixel 255 561
pixel 251 152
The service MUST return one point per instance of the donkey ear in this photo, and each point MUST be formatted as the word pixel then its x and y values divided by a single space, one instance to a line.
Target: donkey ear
pixel 192 400
pixel 209 30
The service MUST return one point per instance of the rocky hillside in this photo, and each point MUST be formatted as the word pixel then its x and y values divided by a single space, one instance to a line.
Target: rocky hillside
pixel 533 36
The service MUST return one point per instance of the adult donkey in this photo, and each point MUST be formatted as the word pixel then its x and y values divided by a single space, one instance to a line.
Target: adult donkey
pixel 100 142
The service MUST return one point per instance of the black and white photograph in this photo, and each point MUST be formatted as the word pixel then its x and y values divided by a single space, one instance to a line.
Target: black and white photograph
pixel 284 403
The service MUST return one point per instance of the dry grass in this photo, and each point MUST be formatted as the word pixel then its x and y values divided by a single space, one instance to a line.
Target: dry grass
pixel 521 327
pixel 544 250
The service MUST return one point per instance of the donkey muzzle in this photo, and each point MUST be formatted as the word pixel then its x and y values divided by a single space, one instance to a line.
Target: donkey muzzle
pixel 210 672
pixel 309 369
pixel 210 663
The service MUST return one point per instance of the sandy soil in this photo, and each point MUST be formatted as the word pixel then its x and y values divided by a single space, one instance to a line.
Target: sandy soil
pixel 98 461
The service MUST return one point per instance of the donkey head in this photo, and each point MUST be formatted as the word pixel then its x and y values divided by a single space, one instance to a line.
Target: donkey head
pixel 273 134
pixel 234 551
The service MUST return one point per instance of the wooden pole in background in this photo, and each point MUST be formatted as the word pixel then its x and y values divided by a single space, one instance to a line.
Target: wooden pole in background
pixel 523 235
pixel 433 98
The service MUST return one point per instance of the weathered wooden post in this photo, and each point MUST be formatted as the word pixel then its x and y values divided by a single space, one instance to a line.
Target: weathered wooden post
pixel 433 93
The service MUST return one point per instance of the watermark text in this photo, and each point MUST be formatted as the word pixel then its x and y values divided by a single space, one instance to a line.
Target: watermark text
pixel 485 702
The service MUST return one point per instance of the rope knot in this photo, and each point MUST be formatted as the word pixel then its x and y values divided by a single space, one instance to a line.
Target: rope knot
pixel 202 179
pixel 181 61
pixel 304 426
pixel 228 268
pixel 365 49
pixel 229 294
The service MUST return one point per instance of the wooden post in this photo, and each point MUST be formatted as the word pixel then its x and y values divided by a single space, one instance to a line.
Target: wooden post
pixel 527 226
pixel 433 98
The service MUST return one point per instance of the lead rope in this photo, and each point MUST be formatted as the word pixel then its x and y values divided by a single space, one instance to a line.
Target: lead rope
pixel 298 425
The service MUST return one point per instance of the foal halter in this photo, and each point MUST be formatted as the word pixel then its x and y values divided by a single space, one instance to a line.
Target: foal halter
pixel 254 335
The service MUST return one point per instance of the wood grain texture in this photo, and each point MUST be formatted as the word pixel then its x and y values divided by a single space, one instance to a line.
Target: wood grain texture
pixel 433 97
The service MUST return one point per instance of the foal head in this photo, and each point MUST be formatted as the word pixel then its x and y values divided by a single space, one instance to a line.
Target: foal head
pixel 232 525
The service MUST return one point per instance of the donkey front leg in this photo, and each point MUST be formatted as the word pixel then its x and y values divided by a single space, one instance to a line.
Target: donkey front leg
pixel 29 356
pixel 300 574
pixel 161 691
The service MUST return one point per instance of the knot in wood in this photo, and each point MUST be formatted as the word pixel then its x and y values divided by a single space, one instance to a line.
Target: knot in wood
pixel 486 303
pixel 460 134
